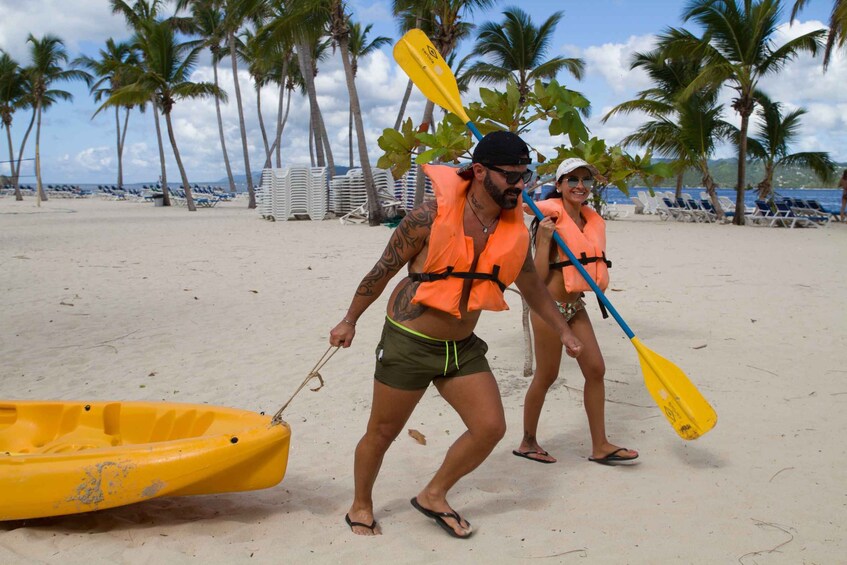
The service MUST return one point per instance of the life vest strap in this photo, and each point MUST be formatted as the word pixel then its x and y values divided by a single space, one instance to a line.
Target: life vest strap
pixel 450 272
pixel 583 259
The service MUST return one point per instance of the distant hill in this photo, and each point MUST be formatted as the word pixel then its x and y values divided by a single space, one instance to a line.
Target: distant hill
pixel 725 172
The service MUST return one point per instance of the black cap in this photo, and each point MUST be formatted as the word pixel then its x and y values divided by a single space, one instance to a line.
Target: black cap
pixel 501 148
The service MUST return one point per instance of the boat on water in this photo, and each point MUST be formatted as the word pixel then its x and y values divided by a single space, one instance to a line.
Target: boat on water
pixel 67 457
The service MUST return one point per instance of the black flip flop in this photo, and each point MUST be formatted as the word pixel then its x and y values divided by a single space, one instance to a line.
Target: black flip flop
pixel 526 455
pixel 351 523
pixel 613 458
pixel 439 519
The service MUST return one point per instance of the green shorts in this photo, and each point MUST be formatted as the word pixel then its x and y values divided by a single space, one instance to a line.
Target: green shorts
pixel 409 360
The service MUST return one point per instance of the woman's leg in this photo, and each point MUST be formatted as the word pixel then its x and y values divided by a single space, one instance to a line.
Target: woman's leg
pixel 594 395
pixel 389 413
pixel 548 357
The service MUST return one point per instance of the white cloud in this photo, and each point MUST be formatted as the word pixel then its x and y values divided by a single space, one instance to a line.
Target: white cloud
pixel 75 21
pixel 612 62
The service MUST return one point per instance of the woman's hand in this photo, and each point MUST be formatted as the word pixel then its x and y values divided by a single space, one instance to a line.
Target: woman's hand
pixel 546 227
pixel 573 347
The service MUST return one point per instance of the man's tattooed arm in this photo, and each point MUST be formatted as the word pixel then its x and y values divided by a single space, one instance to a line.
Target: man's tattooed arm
pixel 406 242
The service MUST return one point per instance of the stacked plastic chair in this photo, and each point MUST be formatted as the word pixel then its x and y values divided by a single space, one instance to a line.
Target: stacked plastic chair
pixel 294 193
pixel 404 188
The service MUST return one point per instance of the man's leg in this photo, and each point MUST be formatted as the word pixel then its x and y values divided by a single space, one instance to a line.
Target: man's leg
pixel 389 413
pixel 476 398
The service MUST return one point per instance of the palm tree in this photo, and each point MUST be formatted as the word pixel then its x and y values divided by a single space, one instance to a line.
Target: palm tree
pixel 116 66
pixel 255 52
pixel 837 34
pixel 237 14
pixel 360 47
pixel 775 134
pixel 208 19
pixel 685 130
pixel 13 96
pixel 738 49
pixel 48 60
pixel 166 78
pixel 140 16
pixel 443 20
pixel 516 48
pixel 304 23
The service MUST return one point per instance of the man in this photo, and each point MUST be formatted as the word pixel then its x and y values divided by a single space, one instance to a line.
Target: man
pixel 463 250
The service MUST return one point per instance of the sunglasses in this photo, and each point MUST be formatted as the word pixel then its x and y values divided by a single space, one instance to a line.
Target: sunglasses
pixel 587 182
pixel 513 177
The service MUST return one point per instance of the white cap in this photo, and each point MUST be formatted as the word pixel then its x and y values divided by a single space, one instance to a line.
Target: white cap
pixel 573 163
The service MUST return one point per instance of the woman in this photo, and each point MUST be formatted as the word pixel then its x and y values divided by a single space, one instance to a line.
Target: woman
pixel 843 186
pixel 583 231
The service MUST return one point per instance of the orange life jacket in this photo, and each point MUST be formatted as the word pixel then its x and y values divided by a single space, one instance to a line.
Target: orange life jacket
pixel 588 245
pixel 451 252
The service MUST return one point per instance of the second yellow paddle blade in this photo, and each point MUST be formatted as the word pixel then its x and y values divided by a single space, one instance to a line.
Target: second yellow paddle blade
pixel 680 401
pixel 422 62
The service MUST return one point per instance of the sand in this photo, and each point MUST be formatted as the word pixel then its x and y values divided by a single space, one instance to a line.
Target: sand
pixel 121 300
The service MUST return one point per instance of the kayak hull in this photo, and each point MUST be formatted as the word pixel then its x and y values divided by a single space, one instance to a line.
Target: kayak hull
pixel 68 457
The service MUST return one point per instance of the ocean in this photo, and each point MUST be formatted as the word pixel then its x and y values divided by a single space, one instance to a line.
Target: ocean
pixel 829 198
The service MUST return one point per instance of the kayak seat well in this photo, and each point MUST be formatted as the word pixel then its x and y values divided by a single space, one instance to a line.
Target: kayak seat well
pixel 53 428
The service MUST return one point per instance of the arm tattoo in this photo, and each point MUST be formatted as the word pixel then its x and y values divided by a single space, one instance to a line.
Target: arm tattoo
pixel 406 241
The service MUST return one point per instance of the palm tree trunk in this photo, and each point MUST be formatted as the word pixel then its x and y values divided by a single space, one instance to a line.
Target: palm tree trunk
pixel 350 133
pixel 189 198
pixel 16 179
pixel 330 161
pixel 311 143
pixel 18 195
pixel 766 186
pixel 282 128
pixel 121 145
pixel 118 148
pixel 374 208
pixel 262 127
pixel 420 178
pixel 229 176
pixel 166 201
pixel 738 219
pixel 232 52
pixel 405 101
pixel 279 111
pixel 678 192
pixel 305 58
pixel 40 195
pixel 709 184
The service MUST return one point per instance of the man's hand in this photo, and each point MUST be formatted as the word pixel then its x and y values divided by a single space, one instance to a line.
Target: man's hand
pixel 342 334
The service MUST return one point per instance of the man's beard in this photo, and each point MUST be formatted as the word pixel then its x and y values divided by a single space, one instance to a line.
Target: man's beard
pixel 500 198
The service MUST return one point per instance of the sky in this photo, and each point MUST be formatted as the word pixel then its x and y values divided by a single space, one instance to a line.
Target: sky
pixel 79 148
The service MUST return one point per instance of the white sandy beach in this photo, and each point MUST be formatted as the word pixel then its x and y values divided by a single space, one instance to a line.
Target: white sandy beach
pixel 120 300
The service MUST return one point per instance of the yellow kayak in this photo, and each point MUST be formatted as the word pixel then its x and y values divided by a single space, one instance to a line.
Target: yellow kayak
pixel 59 457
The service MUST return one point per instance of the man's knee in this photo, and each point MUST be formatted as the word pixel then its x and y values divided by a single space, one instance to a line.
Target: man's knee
pixel 383 434
pixel 490 431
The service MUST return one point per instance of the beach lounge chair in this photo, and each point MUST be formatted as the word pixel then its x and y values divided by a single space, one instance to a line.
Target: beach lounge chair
pixel 790 219
pixel 639 205
pixel 821 211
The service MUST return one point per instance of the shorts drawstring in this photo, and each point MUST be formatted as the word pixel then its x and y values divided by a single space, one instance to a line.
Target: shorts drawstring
pixel 447 355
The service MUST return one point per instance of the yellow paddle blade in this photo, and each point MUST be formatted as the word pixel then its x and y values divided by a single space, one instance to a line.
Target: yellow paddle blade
pixel 683 405
pixel 422 62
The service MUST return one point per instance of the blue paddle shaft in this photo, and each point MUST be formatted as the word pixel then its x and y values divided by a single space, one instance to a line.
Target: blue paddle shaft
pixel 561 243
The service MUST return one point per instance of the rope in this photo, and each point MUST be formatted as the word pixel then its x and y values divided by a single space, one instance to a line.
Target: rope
pixel 313 374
